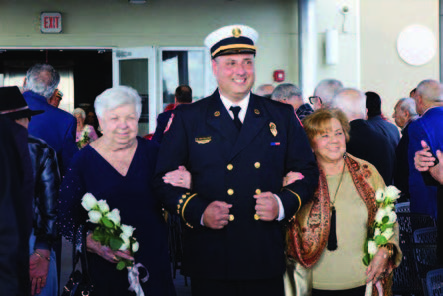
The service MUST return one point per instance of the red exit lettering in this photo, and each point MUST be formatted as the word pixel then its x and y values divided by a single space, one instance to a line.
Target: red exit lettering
pixel 51 22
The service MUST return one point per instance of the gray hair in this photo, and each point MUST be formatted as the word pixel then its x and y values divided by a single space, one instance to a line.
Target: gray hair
pixel 115 97
pixel 430 90
pixel 327 89
pixel 351 101
pixel 286 90
pixel 407 104
pixel 38 83
pixel 79 111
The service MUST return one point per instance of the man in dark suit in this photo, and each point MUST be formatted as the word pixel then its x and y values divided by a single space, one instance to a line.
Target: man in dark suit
pixel 404 114
pixel 365 142
pixel 183 95
pixel 56 127
pixel 373 104
pixel 237 147
pixel 429 127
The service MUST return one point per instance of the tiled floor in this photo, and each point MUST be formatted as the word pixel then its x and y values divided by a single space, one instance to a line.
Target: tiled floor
pixel 179 281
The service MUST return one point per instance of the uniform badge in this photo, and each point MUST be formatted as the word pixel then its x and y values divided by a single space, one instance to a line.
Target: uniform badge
pixel 203 140
pixel 273 129
pixel 217 113
pixel 236 32
pixel 169 123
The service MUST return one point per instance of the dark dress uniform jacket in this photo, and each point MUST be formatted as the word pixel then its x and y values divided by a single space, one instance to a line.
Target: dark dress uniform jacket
pixel 231 166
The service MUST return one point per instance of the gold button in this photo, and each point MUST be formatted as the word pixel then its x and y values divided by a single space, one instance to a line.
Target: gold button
pixel 257 191
pixel 230 167
pixel 257 165
pixel 231 217
pixel 256 217
pixel 230 191
pixel 180 201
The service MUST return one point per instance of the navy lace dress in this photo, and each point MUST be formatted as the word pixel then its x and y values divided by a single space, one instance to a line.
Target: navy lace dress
pixel 133 196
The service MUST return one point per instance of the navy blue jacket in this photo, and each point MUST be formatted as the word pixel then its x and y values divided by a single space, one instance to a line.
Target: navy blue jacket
pixel 232 166
pixel 55 126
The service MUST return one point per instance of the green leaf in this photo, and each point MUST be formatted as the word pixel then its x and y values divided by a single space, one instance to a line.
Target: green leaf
pixel 380 240
pixel 121 265
pixel 385 220
pixel 366 260
pixel 115 243
pixel 108 223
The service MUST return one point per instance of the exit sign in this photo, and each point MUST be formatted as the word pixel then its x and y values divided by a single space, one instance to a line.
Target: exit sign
pixel 51 22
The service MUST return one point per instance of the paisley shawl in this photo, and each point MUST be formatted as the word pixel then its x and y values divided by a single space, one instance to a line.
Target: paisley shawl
pixel 308 233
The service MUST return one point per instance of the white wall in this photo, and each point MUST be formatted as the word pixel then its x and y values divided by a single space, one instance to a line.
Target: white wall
pixel 382 69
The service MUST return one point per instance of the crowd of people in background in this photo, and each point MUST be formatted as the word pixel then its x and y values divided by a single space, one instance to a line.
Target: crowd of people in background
pixel 236 167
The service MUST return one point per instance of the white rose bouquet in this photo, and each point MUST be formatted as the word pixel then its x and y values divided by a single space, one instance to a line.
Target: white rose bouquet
pixel 84 139
pixel 109 231
pixel 383 228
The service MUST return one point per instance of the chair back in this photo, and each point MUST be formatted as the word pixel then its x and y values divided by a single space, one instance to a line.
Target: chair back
pixel 403 207
pixel 409 222
pixel 434 282
pixel 427 235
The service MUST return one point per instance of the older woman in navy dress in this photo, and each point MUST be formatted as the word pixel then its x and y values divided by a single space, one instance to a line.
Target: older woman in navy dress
pixel 118 168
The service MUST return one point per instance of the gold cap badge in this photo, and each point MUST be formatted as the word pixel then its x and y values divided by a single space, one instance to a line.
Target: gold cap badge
pixel 236 32
pixel 273 129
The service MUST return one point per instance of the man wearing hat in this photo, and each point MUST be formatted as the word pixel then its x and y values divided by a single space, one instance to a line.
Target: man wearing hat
pixel 237 147
pixel 43 163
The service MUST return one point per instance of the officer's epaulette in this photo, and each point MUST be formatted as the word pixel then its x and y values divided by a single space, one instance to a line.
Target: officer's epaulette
pixel 181 206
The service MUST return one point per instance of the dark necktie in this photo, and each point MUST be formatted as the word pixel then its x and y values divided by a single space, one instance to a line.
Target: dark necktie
pixel 237 121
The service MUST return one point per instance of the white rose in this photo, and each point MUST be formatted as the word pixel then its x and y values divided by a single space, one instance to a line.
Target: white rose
pixel 380 214
pixel 135 247
pixel 392 217
pixel 127 230
pixel 392 193
pixel 390 208
pixel 372 247
pixel 89 201
pixel 388 233
pixel 379 195
pixel 114 216
pixel 377 232
pixel 126 242
pixel 103 206
pixel 94 216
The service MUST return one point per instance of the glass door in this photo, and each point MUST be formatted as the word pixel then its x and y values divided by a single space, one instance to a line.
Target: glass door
pixel 135 67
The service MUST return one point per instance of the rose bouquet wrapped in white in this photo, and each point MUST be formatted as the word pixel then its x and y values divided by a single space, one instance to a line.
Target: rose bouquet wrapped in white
pixel 109 231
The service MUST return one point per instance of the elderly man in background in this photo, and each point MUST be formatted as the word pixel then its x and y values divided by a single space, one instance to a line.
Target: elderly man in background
pixel 366 142
pixel 56 127
pixel 429 101
pixel 265 90
pixel 324 93
pixel 291 94
pixel 404 114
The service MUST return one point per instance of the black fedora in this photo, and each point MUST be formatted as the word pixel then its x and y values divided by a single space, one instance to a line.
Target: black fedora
pixel 13 104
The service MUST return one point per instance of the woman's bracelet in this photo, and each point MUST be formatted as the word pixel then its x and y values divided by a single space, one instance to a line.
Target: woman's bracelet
pixel 41 256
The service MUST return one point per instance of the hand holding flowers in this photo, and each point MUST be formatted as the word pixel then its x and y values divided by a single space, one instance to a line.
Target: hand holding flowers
pixel 375 255
pixel 113 241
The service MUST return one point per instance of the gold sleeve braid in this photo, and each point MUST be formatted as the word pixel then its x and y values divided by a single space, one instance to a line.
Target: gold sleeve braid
pixel 181 206
pixel 299 202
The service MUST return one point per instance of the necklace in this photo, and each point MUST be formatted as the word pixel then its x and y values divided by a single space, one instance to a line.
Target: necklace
pixel 332 238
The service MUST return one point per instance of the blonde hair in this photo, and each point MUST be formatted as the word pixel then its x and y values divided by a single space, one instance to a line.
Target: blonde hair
pixel 320 122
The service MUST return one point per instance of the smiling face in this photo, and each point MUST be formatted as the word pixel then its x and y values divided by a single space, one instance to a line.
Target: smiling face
pixel 235 75
pixel 330 145
pixel 120 125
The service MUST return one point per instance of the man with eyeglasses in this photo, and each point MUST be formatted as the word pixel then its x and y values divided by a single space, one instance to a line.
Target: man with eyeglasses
pixel 290 94
pixel 324 92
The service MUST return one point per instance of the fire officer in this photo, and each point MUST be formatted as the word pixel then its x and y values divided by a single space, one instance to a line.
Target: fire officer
pixel 237 147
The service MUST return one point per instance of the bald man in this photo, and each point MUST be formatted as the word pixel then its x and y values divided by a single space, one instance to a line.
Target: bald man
pixel 429 127
pixel 326 90
pixel 365 142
